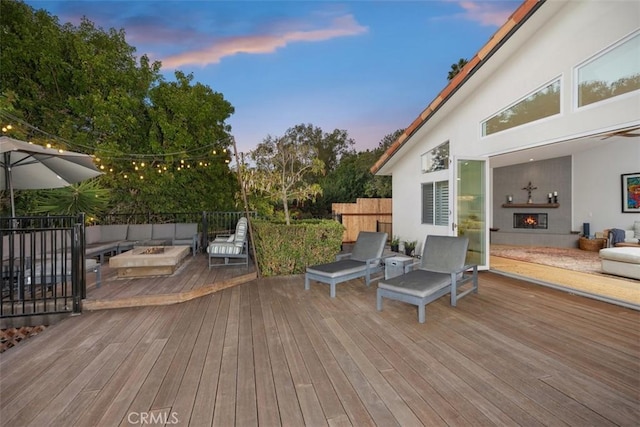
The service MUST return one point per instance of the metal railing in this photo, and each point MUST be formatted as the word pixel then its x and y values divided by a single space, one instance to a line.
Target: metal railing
pixel 43 257
pixel 42 260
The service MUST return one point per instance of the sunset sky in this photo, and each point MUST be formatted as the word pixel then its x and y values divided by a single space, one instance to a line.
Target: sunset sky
pixel 368 67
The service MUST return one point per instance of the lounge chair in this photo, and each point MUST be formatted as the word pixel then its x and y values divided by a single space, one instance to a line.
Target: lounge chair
pixel 364 260
pixel 234 246
pixel 441 271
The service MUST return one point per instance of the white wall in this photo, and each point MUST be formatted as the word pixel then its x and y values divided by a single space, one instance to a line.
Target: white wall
pixel 559 37
pixel 597 192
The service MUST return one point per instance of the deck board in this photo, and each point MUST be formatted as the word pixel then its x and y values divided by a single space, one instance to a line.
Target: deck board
pixel 267 352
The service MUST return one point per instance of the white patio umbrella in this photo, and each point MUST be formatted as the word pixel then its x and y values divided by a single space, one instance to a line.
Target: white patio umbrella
pixel 27 166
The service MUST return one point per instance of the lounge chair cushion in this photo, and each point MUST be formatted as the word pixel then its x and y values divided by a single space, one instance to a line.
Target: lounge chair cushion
pixel 444 254
pixel 419 283
pixel 367 246
pixel 338 268
pixel 363 261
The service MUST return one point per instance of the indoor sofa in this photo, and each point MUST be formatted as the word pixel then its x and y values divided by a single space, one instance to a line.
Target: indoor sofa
pixel 621 261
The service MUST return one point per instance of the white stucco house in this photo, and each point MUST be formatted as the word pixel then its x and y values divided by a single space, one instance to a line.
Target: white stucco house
pixel 533 139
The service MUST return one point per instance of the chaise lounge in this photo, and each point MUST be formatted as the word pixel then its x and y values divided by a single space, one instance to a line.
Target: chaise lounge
pixel 364 260
pixel 441 271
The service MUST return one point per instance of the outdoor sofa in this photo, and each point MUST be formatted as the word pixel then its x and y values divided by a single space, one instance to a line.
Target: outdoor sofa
pixel 40 257
pixel 112 239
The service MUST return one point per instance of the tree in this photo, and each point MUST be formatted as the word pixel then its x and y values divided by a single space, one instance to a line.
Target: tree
pixel 352 178
pixel 282 168
pixel 330 147
pixel 456 68
pixel 83 88
pixel 86 196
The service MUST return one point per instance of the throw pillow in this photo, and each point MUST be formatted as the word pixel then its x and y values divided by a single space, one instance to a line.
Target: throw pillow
pixel 636 229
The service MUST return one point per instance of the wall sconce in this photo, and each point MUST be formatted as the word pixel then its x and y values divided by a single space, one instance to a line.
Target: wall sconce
pixel 509 198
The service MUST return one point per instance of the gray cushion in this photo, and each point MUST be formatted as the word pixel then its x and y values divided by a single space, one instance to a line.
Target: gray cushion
pixel 241 232
pixel 113 232
pixel 163 231
pixel 92 234
pixel 419 283
pixel 338 268
pixel 369 245
pixel 636 229
pixel 139 232
pixel 444 254
pixel 223 248
pixel 186 231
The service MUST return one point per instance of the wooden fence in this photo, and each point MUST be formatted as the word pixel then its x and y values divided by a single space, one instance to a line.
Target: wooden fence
pixel 364 215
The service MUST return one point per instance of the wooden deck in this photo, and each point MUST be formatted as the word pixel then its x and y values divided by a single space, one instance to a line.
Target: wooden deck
pixel 269 353
pixel 192 279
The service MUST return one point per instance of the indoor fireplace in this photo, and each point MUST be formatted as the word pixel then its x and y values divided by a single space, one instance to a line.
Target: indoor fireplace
pixel 530 220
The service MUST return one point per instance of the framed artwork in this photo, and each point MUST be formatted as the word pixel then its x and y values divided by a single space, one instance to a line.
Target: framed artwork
pixel 631 192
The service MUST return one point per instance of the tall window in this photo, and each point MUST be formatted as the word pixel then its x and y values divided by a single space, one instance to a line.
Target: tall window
pixel 614 72
pixel 435 203
pixel 542 103
pixel 436 159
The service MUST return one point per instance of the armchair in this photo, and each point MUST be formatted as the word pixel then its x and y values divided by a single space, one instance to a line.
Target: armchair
pixel 233 247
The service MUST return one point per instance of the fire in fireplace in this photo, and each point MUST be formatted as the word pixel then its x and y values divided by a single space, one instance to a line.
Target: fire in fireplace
pixel 530 220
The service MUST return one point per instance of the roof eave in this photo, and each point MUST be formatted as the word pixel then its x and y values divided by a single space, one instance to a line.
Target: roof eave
pixel 515 21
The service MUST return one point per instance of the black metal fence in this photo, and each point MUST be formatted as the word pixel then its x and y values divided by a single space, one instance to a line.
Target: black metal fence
pixel 42 265
pixel 43 257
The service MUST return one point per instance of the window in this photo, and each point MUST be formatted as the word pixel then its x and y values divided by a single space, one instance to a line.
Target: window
pixel 613 73
pixel 542 103
pixel 436 159
pixel 435 203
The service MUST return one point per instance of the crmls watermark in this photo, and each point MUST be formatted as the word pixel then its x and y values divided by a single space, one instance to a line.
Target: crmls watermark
pixel 151 418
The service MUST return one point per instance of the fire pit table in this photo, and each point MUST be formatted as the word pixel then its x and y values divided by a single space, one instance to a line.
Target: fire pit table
pixel 145 261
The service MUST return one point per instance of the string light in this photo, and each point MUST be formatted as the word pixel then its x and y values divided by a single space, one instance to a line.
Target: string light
pixel 197 157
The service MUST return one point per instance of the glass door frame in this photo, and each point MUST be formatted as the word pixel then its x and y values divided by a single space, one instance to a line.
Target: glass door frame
pixel 458 207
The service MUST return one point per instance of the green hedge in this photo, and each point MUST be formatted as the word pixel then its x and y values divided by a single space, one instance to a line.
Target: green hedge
pixel 288 249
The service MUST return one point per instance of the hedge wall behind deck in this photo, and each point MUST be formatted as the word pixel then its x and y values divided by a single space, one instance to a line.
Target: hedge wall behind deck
pixel 288 249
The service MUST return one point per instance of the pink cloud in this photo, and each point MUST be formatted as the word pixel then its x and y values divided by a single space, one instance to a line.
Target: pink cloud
pixel 486 13
pixel 343 26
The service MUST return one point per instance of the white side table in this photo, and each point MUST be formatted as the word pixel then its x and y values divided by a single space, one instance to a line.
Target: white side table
pixel 394 266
